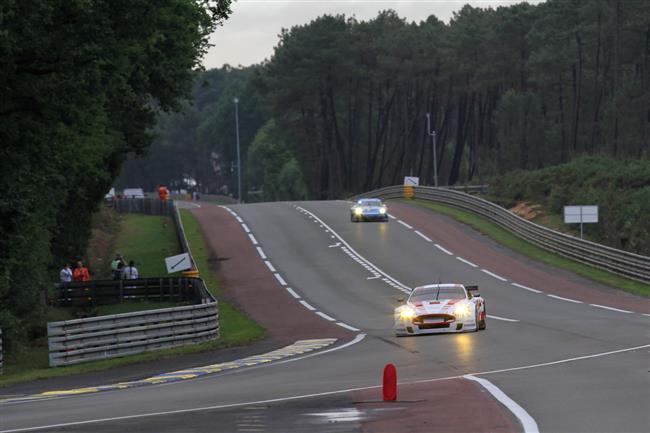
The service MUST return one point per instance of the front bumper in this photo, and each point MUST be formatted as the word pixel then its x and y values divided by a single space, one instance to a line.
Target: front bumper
pixel 446 324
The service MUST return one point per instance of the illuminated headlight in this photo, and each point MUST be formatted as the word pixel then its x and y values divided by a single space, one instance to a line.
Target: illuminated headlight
pixel 407 313
pixel 462 310
pixel 382 210
pixel 358 211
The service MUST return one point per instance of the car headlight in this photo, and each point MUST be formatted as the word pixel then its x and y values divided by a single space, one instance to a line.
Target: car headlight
pixel 358 211
pixel 407 313
pixel 462 310
pixel 382 210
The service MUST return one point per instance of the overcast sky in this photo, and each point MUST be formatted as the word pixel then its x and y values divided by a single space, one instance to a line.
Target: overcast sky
pixel 251 32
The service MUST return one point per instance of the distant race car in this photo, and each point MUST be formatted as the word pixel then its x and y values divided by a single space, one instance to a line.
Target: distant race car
pixel 439 308
pixel 367 209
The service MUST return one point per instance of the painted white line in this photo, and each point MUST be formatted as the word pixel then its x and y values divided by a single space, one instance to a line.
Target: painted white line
pixel 338 244
pixel 645 314
pixel 611 308
pixel 240 220
pixel 292 293
pixel 402 287
pixel 325 316
pixel 269 265
pixel 505 319
pixel 260 251
pixel 467 262
pixel 280 279
pixel 252 238
pixel 498 277
pixel 307 305
pixel 246 229
pixel 346 326
pixel 423 236
pixel 526 288
pixel 373 278
pixel 527 421
pixel 564 299
pixel 392 217
pixel 444 250
pixel 405 225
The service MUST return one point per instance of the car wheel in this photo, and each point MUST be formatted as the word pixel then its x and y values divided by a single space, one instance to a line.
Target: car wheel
pixel 476 320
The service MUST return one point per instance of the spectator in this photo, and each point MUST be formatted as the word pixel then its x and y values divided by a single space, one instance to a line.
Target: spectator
pixel 65 276
pixel 130 272
pixel 163 192
pixel 80 273
pixel 117 265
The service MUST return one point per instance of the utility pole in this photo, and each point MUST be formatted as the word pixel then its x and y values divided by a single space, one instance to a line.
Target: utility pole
pixel 435 162
pixel 236 100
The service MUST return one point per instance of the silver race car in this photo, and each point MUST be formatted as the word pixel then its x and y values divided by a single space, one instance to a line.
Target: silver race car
pixel 367 209
pixel 439 308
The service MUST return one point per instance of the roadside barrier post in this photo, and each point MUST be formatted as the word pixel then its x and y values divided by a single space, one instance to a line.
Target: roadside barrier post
pixel 390 383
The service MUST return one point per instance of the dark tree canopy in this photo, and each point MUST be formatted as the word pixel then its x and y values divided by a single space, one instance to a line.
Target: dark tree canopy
pixel 82 83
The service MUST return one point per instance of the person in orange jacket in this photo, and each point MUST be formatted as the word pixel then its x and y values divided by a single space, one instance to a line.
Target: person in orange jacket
pixel 163 192
pixel 80 273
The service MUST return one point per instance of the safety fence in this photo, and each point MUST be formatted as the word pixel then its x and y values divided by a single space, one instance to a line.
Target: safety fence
pixel 145 206
pixel 94 338
pixel 80 340
pixel 624 263
pixel 106 292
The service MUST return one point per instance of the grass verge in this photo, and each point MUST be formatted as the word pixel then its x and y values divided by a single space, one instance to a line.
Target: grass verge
pixel 521 246
pixel 31 363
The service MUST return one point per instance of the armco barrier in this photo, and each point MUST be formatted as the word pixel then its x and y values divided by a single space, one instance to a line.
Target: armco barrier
pixel 1 351
pixel 624 263
pixel 74 341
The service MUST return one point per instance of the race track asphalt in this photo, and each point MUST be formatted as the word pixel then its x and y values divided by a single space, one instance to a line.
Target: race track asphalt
pixel 573 366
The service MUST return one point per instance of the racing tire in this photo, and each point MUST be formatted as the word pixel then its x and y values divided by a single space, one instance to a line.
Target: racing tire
pixel 480 324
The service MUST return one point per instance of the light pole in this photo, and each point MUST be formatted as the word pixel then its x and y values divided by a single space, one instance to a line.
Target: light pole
pixel 435 163
pixel 236 100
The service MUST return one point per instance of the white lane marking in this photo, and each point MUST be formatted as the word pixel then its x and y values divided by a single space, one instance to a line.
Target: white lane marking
pixel 338 244
pixel 564 299
pixel 498 277
pixel 269 265
pixel 611 308
pixel 346 326
pixel 260 251
pixel 526 288
pixel 405 225
pixel 373 278
pixel 467 262
pixel 527 421
pixel 325 316
pixel 357 339
pixel 292 293
pixel 307 305
pixel 246 229
pixel 423 236
pixel 402 287
pixel 505 319
pixel 252 238
pixel 392 217
pixel 648 315
pixel 239 220
pixel 444 250
pixel 280 279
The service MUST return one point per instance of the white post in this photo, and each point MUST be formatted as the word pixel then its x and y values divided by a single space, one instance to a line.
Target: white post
pixel 435 162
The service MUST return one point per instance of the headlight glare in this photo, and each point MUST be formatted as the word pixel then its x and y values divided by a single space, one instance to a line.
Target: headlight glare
pixel 358 211
pixel 382 210
pixel 407 313
pixel 462 310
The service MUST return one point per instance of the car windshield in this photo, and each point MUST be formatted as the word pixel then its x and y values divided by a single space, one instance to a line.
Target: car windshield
pixel 370 202
pixel 433 293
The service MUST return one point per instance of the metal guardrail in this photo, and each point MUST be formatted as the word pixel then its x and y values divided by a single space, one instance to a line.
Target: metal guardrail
pixel 1 359
pixel 624 263
pixel 81 340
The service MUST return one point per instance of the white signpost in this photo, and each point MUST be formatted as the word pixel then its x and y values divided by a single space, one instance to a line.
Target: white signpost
pixel 178 263
pixel 411 181
pixel 580 215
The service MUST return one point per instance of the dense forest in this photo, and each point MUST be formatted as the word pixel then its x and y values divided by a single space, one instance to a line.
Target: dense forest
pixel 341 105
pixel 82 85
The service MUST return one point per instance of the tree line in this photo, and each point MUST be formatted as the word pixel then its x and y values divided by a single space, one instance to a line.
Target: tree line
pixel 341 105
pixel 82 85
